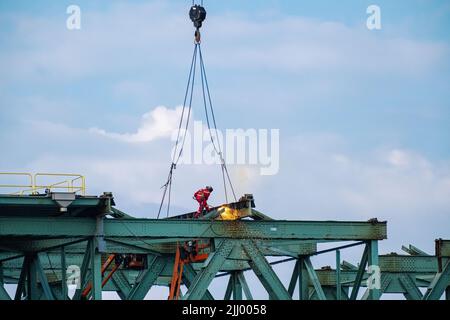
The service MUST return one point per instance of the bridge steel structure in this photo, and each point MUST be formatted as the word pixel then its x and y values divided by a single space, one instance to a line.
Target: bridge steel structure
pixel 50 240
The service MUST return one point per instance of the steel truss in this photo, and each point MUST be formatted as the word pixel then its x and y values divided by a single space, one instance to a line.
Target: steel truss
pixel 42 249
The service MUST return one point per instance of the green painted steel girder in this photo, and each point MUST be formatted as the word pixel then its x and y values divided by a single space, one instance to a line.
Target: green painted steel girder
pixel 64 289
pixel 236 286
pixel 303 279
pixel 47 291
pixel 373 291
pixel 439 285
pixel 96 265
pixel 229 289
pixel 84 278
pixel 264 272
pixel 212 265
pixel 22 278
pixel 360 273
pixel 149 228
pixel 3 294
pixel 148 278
pixel 244 284
pixel 314 279
pixel 121 284
pixel 21 244
pixel 32 283
pixel 45 205
pixel 294 279
pixel 405 263
pixel 412 291
pixel 189 275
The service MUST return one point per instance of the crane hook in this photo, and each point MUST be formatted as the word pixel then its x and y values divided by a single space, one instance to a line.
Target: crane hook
pixel 197 14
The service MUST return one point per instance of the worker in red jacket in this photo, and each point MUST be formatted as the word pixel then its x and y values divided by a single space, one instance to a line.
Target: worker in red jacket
pixel 202 196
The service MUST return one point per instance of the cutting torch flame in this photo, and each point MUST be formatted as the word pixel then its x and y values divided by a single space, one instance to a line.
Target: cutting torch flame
pixel 228 213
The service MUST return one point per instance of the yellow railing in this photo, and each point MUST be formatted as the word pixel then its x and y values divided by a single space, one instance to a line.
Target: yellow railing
pixel 71 182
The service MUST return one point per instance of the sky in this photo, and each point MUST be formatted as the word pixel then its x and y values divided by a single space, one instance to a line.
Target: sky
pixel 363 114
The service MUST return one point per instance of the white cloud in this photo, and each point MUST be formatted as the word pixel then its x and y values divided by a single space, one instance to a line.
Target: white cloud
pixel 158 123
pixel 398 158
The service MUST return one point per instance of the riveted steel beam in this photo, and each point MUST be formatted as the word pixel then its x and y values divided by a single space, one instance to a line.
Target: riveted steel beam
pixel 150 228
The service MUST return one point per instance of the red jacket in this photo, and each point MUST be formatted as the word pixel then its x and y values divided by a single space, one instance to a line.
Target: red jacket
pixel 202 195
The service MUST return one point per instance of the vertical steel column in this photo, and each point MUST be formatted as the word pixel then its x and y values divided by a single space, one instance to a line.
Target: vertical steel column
pixel 3 294
pixel 84 279
pixel 303 287
pixel 44 285
pixel 338 275
pixel 244 285
pixel 237 287
pixel 64 289
pixel 32 292
pixel 229 289
pixel 22 279
pixel 96 269
pixel 375 291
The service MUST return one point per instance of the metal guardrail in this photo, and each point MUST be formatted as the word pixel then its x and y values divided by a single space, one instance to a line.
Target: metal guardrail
pixel 71 182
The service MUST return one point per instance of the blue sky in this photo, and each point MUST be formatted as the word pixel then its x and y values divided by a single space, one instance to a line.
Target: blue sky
pixel 363 115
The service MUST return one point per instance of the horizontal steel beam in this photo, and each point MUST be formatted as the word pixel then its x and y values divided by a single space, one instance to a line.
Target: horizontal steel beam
pixel 150 228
